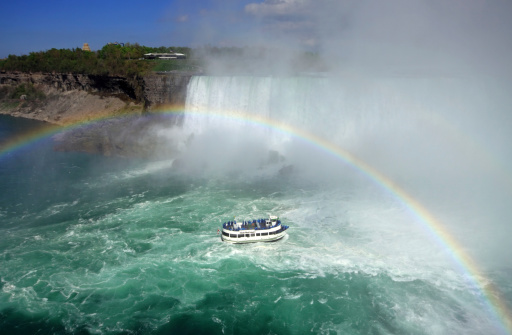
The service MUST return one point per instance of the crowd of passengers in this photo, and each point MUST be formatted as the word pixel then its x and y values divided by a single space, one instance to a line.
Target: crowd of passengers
pixel 234 226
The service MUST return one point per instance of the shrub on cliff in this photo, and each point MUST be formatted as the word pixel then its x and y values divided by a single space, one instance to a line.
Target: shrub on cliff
pixel 110 60
pixel 113 59
pixel 4 92
pixel 28 91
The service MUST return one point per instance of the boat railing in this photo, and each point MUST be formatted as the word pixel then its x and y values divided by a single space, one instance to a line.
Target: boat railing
pixel 234 226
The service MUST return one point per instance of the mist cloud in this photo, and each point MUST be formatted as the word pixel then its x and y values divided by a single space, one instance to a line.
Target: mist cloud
pixel 182 18
pixel 278 7
pixel 434 35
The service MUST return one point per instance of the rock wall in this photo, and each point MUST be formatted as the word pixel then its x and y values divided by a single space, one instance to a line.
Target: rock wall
pixel 165 89
pixel 65 82
pixel 71 98
pixel 74 98
pixel 153 89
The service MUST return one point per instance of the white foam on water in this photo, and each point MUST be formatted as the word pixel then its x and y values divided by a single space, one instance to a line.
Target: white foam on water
pixel 350 244
pixel 332 234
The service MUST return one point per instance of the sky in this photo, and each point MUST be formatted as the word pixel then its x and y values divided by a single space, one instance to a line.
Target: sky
pixel 444 34
pixel 32 25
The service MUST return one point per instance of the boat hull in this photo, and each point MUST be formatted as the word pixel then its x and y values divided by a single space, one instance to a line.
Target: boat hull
pixel 261 230
pixel 253 239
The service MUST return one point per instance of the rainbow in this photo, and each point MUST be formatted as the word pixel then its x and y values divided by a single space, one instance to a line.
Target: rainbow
pixel 45 130
pixel 493 301
pixel 24 139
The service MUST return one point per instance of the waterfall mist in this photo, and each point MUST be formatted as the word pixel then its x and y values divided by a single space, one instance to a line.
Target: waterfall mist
pixel 409 93
pixel 441 139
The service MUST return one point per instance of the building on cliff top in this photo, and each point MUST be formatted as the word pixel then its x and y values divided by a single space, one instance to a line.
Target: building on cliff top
pixel 172 55
pixel 86 47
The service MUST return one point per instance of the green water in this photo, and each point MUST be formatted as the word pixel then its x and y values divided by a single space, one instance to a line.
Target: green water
pixel 96 245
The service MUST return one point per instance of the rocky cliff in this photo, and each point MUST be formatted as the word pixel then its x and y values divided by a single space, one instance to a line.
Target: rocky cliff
pixel 68 99
pixel 165 89
pixel 68 82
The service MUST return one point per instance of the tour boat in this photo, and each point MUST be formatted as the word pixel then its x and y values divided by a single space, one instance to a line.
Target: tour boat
pixel 260 230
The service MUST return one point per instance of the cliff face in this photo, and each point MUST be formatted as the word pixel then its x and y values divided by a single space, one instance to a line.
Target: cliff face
pixel 68 82
pixel 73 98
pixel 146 93
pixel 165 89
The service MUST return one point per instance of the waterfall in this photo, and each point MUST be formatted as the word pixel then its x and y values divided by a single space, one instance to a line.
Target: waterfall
pixel 344 111
pixel 318 105
pixel 291 101
pixel 402 125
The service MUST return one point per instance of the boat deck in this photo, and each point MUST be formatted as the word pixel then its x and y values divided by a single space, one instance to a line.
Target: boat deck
pixel 259 224
pixel 264 230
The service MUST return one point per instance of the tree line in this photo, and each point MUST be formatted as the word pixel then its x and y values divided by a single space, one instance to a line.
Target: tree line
pixel 127 60
pixel 113 59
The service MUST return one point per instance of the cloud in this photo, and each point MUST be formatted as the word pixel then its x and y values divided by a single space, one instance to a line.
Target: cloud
pixel 288 19
pixel 278 8
pixel 300 19
pixel 182 18
pixel 420 33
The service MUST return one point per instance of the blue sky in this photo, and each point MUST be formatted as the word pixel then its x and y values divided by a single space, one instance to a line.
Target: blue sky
pixel 34 25
pixel 367 33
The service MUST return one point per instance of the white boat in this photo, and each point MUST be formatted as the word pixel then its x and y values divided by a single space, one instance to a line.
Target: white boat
pixel 247 231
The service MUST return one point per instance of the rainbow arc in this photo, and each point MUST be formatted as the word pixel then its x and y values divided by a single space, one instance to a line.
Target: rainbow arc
pixel 493 299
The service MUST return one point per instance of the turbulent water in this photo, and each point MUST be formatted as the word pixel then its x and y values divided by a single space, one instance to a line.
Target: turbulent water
pixel 99 245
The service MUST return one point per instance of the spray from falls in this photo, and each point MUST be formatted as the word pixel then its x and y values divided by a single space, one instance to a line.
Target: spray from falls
pixel 426 134
pixel 432 137
pixel 378 197
pixel 405 127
